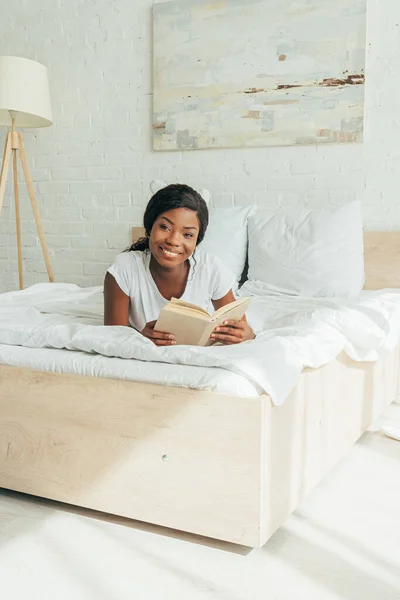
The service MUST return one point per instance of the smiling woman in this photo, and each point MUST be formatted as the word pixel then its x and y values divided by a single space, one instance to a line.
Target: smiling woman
pixel 167 263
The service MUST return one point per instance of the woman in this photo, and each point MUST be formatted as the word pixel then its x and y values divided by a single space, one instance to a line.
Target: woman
pixel 166 264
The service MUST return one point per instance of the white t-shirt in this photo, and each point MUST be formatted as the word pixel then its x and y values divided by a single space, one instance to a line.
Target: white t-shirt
pixel 208 279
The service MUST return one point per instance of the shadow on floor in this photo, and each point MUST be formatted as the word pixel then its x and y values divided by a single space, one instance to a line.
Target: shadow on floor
pixel 44 503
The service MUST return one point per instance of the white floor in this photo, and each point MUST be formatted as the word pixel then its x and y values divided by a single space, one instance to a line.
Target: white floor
pixel 343 543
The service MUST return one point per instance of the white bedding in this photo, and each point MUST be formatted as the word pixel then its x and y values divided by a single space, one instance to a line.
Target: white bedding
pixel 293 333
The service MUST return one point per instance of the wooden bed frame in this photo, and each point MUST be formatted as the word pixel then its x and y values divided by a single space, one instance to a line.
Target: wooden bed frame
pixel 224 467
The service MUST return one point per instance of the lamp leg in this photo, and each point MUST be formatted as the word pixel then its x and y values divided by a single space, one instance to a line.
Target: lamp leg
pixel 18 220
pixel 36 214
pixel 4 168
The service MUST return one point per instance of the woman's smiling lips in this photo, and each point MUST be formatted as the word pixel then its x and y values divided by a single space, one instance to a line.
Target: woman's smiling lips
pixel 169 253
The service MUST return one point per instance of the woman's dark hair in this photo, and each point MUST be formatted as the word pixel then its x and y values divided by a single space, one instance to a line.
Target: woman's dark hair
pixel 173 196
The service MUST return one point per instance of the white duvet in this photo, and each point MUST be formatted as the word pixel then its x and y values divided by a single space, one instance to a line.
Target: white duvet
pixel 292 333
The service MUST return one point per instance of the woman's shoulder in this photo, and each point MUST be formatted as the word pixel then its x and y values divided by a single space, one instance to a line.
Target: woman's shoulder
pixel 127 269
pixel 131 263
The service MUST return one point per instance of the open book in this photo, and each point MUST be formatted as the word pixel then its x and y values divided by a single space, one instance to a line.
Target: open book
pixel 193 325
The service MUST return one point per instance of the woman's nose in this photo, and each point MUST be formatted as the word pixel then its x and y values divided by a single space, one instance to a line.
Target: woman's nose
pixel 173 238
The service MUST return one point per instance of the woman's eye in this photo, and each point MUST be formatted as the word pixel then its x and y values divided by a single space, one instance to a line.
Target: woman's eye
pixel 190 235
pixel 163 227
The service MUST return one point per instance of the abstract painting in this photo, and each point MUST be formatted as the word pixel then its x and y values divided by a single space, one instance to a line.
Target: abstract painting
pixel 245 73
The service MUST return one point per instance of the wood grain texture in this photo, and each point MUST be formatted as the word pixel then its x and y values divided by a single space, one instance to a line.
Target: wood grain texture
pixel 224 467
pixel 325 415
pixel 182 458
pixel 18 221
pixel 382 259
pixel 137 232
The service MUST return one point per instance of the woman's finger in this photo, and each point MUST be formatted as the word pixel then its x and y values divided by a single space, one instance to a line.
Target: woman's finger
pixel 159 335
pixel 240 324
pixel 164 342
pixel 151 333
pixel 226 338
pixel 236 331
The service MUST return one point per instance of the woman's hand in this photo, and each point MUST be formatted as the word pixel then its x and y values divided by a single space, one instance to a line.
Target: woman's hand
pixel 157 337
pixel 233 332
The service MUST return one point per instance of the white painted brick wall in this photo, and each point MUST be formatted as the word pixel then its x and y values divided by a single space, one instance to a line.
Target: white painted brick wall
pixel 93 167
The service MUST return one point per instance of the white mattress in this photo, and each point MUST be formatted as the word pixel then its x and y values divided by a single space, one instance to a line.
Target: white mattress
pixel 79 363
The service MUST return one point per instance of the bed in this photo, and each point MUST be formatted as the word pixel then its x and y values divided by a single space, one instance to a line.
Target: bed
pixel 223 466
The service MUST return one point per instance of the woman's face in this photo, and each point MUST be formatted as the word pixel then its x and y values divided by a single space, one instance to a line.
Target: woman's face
pixel 173 236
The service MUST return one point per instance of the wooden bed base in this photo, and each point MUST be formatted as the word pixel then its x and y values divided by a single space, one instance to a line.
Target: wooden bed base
pixel 224 467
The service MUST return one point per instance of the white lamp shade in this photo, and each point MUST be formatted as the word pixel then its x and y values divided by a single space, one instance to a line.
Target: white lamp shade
pixel 24 88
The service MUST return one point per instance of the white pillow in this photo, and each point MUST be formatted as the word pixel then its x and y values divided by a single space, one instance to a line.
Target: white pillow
pixel 227 237
pixel 313 253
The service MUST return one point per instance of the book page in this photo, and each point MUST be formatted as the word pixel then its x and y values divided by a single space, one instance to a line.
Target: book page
pixel 229 311
pixel 175 302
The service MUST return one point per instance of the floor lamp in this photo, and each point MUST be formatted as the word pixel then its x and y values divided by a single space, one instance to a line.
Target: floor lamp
pixel 24 102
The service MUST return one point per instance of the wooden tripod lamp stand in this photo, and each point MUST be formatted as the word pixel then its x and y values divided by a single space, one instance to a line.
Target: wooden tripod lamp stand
pixel 24 102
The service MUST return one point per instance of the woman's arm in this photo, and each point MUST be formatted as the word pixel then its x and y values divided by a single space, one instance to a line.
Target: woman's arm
pixel 232 332
pixel 116 312
pixel 116 303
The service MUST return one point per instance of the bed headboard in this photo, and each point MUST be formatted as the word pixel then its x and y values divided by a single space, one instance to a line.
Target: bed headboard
pixel 381 258
pixel 137 232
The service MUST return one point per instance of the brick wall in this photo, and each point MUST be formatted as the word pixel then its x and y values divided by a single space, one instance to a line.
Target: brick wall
pixel 93 167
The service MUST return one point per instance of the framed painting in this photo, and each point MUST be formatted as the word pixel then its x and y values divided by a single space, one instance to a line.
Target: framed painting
pixel 245 73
